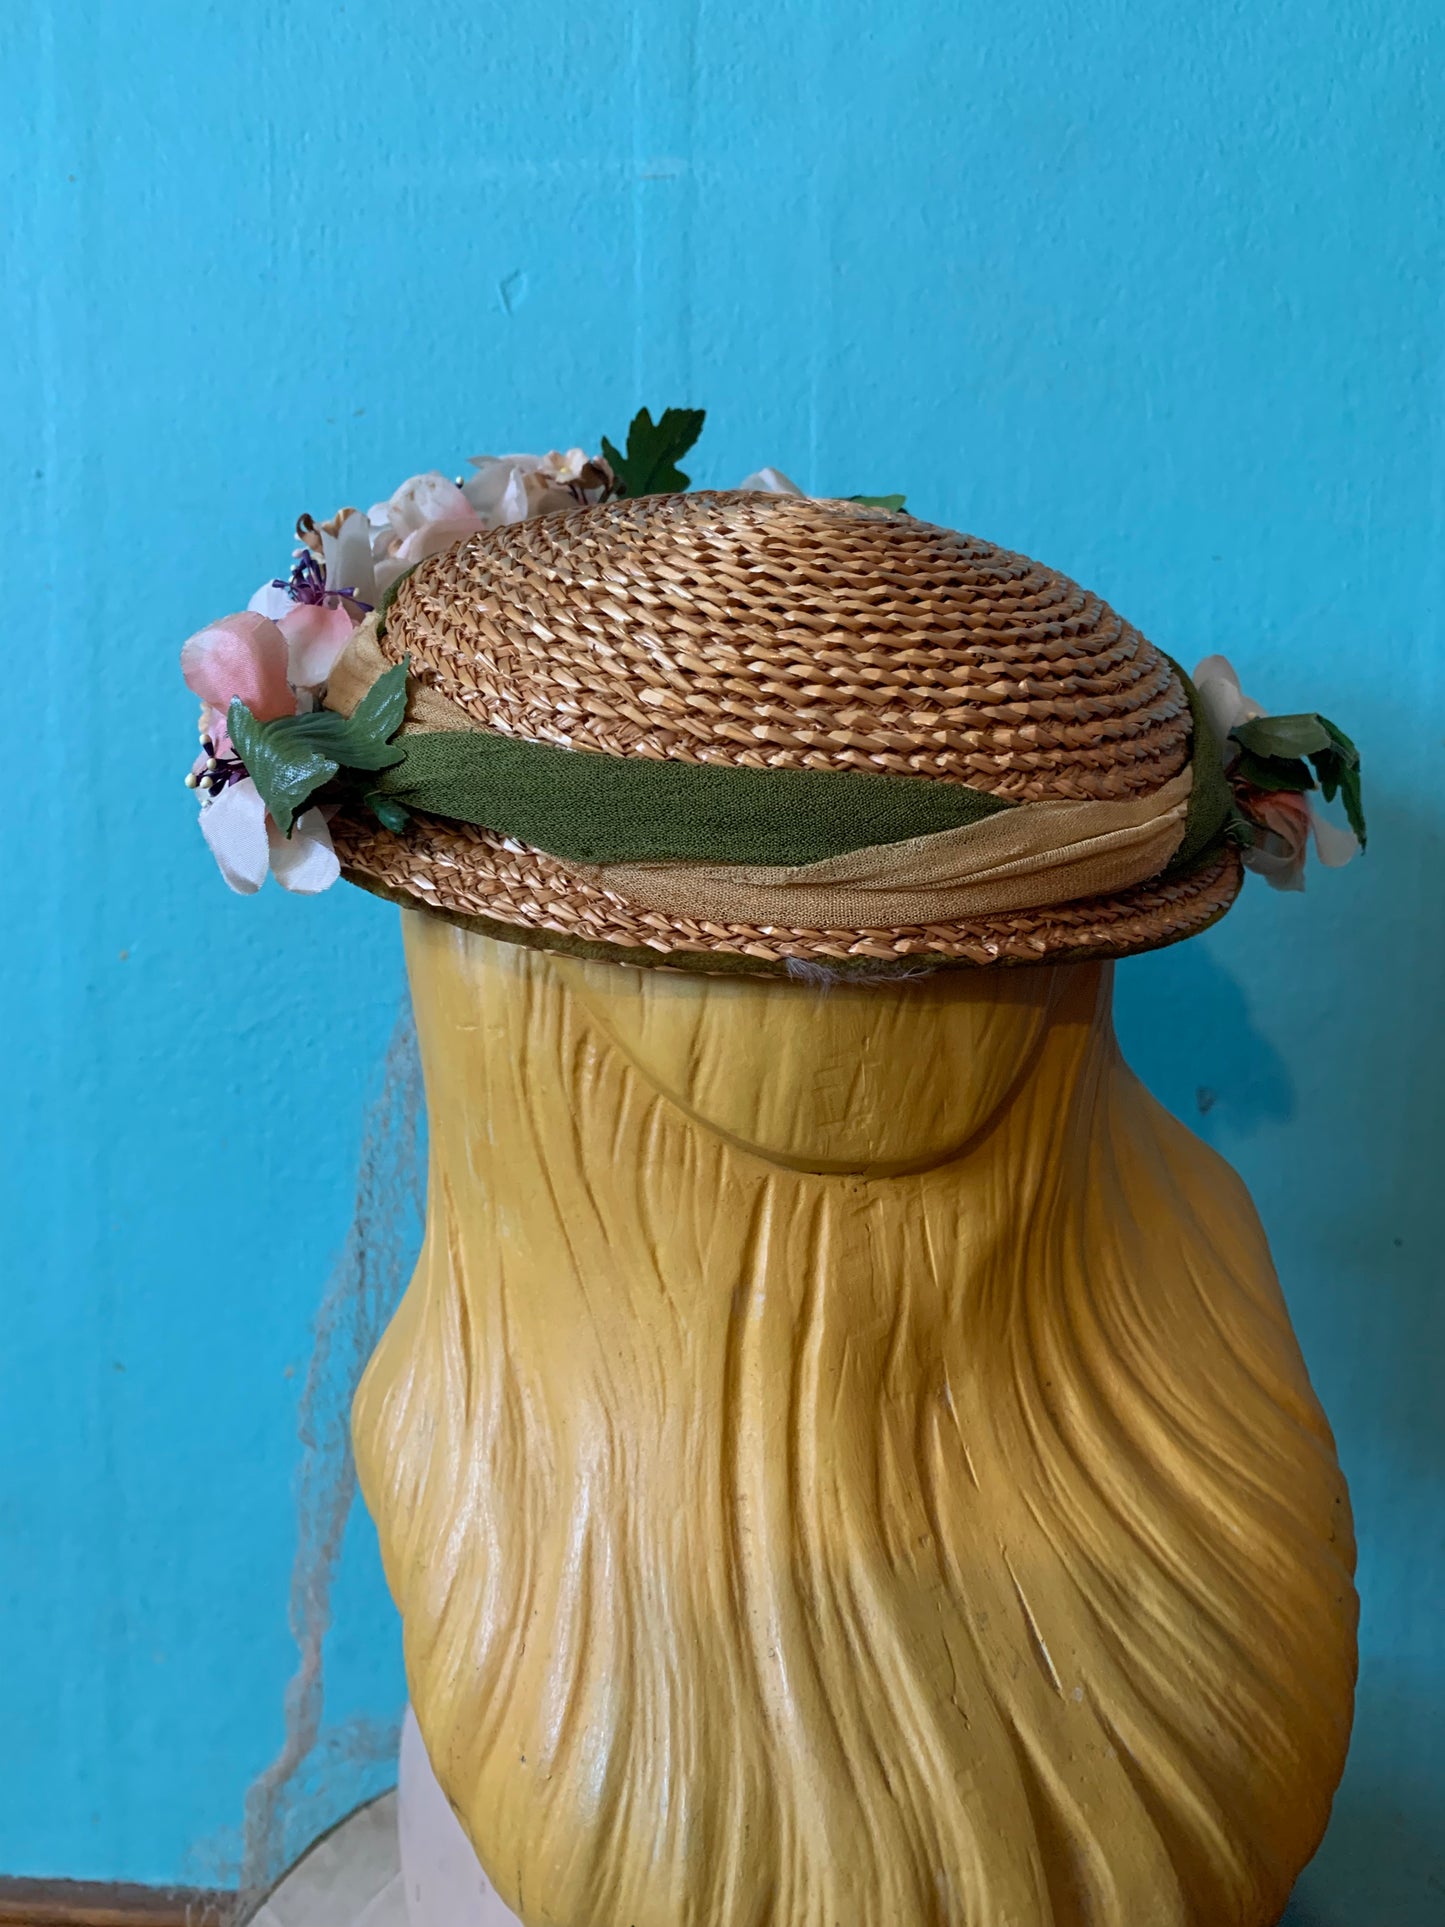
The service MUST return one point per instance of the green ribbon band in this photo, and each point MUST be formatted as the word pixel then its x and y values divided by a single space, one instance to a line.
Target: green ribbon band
pixel 1211 800
pixel 587 807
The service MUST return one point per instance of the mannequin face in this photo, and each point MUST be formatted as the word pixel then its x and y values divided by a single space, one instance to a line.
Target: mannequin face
pixel 874 1079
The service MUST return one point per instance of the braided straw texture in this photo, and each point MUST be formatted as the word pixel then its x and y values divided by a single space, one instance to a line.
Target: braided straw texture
pixel 471 875
pixel 780 632
pixel 783 633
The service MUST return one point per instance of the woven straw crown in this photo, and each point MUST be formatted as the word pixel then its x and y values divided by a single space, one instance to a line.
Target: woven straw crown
pixel 775 632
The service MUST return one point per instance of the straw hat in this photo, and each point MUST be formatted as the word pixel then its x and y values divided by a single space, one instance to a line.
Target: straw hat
pixel 767 732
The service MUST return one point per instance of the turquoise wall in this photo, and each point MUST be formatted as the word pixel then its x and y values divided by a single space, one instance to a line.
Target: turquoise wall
pixel 1153 292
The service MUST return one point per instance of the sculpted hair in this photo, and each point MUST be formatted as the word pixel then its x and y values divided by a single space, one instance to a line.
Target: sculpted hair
pixel 782 1547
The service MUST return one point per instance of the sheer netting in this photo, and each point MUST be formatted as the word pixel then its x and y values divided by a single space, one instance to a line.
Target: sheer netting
pixel 323 1770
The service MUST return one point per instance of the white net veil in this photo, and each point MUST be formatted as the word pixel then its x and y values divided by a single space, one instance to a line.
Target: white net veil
pixel 324 1769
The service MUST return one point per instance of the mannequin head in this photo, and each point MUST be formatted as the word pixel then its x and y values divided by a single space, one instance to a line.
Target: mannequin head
pixel 826 1462
pixel 838 1079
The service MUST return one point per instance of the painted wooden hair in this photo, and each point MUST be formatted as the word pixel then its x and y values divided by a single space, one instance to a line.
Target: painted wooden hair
pixel 843 1457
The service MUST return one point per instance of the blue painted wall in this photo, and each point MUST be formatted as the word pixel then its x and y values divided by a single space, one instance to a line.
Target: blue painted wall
pixel 1152 291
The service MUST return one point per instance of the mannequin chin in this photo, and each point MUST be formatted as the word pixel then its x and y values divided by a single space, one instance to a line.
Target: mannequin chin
pixel 844 1457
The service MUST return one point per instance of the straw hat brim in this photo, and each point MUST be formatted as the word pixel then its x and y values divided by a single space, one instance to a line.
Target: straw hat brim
pixel 487 883
pixel 752 635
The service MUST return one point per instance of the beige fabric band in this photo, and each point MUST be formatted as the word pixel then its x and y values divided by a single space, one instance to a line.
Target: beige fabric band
pixel 1038 854
pixel 359 665
pixel 1034 856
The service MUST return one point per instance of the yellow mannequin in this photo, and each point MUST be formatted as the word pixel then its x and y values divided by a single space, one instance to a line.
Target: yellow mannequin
pixel 843 1459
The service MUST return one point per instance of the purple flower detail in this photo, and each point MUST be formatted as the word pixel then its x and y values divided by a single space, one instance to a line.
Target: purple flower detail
pixel 217 770
pixel 307 583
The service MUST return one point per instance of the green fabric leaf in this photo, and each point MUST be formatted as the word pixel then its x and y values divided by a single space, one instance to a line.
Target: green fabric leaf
pixel 291 757
pixel 650 465
pixel 285 767
pixel 1338 769
pixel 1329 769
pixel 387 812
pixel 380 712
pixel 366 752
pixel 1290 736
pixel 352 741
pixel 1276 753
pixel 1272 772
pixel 1339 774
pixel 593 808
pixel 321 730
pixel 880 501
pixel 1352 797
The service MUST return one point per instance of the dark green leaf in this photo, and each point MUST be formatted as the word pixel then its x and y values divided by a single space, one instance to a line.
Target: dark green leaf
pixel 650 465
pixel 1272 749
pixel 387 811
pixel 1338 768
pixel 361 749
pixel 379 713
pixel 284 766
pixel 1272 772
pixel 358 741
pixel 1290 736
pixel 323 730
pixel 1352 797
pixel 291 757
pixel 1341 777
pixel 342 738
pixel 880 501
pixel 1271 753
pixel 1328 768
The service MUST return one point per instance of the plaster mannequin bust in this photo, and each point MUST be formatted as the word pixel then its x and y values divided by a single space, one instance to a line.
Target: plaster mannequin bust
pixel 843 1456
